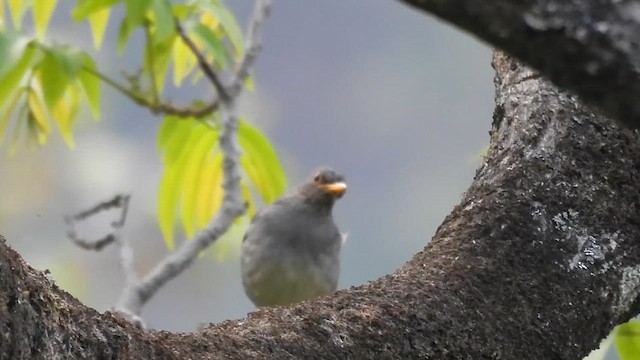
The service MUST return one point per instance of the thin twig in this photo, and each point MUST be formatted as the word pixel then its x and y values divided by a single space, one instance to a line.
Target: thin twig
pixel 134 296
pixel 252 47
pixel 127 264
pixel 154 104
pixel 202 62
pixel 118 201
pixel 159 106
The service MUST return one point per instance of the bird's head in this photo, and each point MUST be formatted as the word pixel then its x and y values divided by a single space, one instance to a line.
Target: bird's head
pixel 324 188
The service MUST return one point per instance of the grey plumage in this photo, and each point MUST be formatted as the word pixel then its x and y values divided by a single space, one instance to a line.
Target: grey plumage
pixel 291 251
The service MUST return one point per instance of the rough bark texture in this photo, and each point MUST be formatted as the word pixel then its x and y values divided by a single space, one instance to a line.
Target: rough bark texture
pixel 589 46
pixel 539 261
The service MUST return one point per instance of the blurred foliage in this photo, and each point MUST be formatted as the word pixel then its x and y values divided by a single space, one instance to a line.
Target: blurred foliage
pixel 626 338
pixel 45 83
pixel 42 85
pixel 191 186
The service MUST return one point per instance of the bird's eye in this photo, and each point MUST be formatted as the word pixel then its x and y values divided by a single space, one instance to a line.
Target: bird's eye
pixel 316 178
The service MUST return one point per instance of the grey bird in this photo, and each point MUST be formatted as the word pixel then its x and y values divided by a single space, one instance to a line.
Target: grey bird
pixel 291 251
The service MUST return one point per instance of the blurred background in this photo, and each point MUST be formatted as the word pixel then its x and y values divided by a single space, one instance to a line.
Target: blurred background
pixel 396 100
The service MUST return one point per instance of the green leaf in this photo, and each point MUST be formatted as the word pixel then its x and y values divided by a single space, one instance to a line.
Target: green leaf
pixel 183 62
pixel 161 55
pixel 42 11
pixel 260 162
pixel 98 22
pixel 70 59
pixel 172 186
pixel 192 175
pixel 249 84
pixel 166 131
pixel 191 184
pixel 627 340
pixel 90 85
pixel 209 188
pixel 65 111
pixel 228 22
pixel 39 116
pixel 163 18
pixel 124 34
pixel 53 79
pixel 173 140
pixel 167 202
pixel 59 68
pixel 213 42
pixel 2 24
pixel 12 46
pixel 17 8
pixel 204 142
pixel 12 77
pixel 8 111
pixel 136 10
pixel 181 11
pixel 21 122
pixel 84 8
pixel 172 147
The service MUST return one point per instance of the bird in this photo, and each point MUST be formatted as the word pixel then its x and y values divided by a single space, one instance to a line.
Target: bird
pixel 291 250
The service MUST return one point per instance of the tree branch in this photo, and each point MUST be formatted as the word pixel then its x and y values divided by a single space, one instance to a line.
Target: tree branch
pixel 539 261
pixel 203 63
pixel 153 105
pixel 590 47
pixel 252 48
pixel 543 245
pixel 135 296
pixel 118 201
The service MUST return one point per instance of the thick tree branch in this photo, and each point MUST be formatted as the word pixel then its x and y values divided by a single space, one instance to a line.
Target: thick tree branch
pixel 539 261
pixel 589 46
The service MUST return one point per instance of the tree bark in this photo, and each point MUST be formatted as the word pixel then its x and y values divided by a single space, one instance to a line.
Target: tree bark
pixel 588 46
pixel 539 261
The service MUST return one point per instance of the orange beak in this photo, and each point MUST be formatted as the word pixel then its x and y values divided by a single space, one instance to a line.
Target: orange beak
pixel 336 188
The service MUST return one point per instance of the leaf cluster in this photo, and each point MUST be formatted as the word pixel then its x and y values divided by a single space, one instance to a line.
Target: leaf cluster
pixel 45 83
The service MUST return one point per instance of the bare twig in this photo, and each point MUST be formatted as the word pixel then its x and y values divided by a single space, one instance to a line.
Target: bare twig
pixel 155 106
pixel 253 46
pixel 118 201
pixel 204 65
pixel 135 295
pixel 127 263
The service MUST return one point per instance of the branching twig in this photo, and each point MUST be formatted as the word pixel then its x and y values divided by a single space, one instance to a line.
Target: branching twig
pixel 127 263
pixel 138 291
pixel 119 201
pixel 135 295
pixel 204 65
pixel 254 45
pixel 155 106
